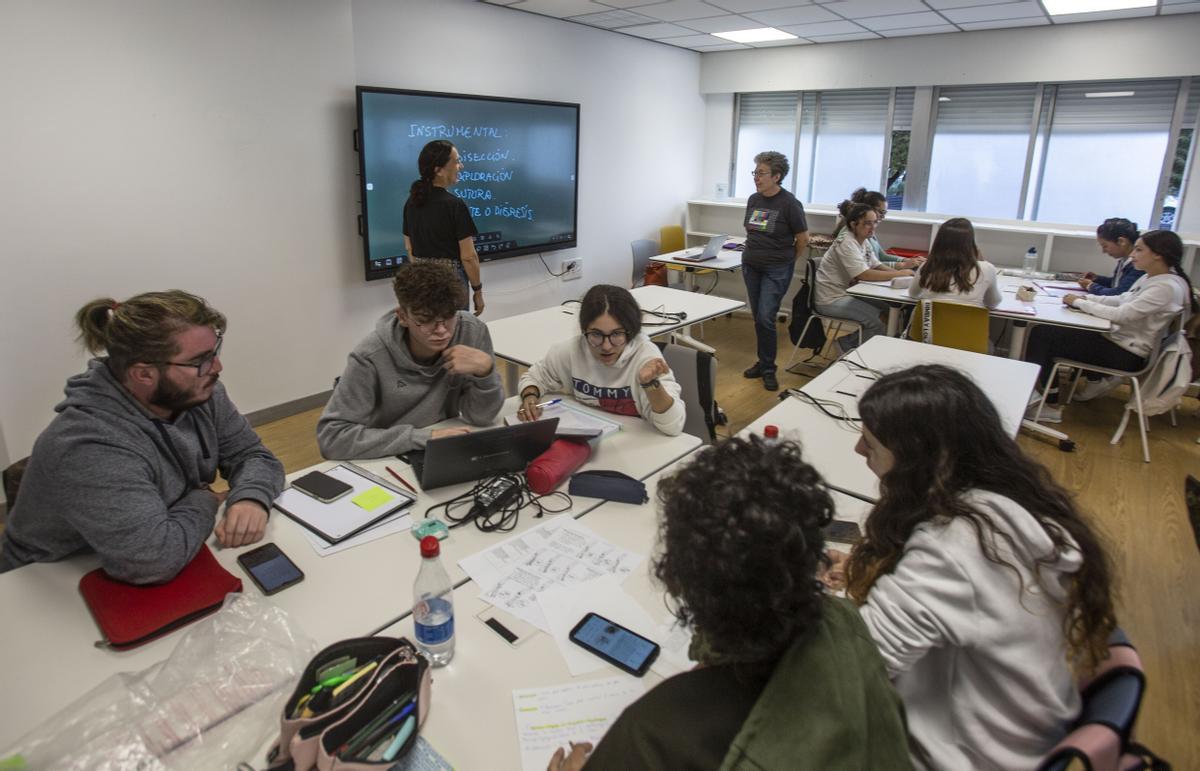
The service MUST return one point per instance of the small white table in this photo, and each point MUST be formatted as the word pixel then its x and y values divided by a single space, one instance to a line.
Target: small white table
pixel 526 338
pixel 1046 309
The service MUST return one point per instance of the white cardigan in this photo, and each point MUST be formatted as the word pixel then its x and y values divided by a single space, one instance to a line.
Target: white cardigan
pixel 981 666
pixel 1140 315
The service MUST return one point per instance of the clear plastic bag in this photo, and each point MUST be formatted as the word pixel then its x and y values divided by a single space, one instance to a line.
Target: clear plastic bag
pixel 213 703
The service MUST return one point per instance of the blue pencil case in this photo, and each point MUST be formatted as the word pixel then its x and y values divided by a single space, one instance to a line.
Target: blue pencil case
pixel 609 485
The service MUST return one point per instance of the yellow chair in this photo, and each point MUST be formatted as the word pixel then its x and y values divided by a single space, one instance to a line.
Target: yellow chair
pixel 950 324
pixel 670 239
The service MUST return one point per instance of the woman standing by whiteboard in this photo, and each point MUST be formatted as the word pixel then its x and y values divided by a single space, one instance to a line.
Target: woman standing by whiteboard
pixel 437 224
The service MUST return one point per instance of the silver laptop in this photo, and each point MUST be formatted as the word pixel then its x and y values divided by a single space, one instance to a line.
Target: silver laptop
pixel 709 252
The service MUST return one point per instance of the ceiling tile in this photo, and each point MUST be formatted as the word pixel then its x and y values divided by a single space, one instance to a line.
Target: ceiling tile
pixel 657 31
pixel 729 47
pixel 675 10
pixel 745 6
pixel 1035 21
pixel 939 5
pixel 804 14
pixel 855 9
pixel 501 2
pixel 630 3
pixel 799 41
pixel 902 21
pixel 560 8
pixel 1127 13
pixel 698 40
pixel 1185 7
pixel 613 18
pixel 1021 10
pixel 936 29
pixel 864 35
pixel 721 24
pixel 825 28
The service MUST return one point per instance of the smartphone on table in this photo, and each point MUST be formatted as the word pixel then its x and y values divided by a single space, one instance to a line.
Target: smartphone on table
pixel 323 487
pixel 270 568
pixel 621 647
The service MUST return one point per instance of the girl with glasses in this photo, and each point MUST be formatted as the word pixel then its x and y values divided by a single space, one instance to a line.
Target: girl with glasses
pixel 611 365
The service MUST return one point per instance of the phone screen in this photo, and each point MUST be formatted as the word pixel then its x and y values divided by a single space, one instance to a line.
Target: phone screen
pixel 613 642
pixel 270 568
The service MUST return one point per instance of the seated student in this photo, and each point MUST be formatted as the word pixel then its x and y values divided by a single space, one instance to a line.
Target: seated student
pixel 1139 318
pixel 425 362
pixel 955 270
pixel 978 578
pixel 611 365
pixel 847 262
pixel 125 467
pixel 1116 237
pixel 878 202
pixel 788 676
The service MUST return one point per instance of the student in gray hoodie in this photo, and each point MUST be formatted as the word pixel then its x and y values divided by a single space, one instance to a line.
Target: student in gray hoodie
pixel 125 466
pixel 425 362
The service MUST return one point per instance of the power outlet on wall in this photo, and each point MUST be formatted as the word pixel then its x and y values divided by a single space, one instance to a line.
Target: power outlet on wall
pixel 572 269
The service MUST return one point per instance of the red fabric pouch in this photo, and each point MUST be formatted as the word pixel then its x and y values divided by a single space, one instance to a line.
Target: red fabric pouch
pixel 130 615
pixel 550 469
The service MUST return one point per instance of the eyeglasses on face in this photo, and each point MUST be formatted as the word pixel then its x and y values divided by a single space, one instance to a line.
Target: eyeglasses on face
pixel 756 173
pixel 203 364
pixel 426 324
pixel 616 338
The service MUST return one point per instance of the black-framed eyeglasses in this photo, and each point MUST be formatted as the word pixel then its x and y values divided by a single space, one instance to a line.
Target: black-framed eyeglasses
pixel 616 338
pixel 203 363
pixel 431 325
pixel 881 213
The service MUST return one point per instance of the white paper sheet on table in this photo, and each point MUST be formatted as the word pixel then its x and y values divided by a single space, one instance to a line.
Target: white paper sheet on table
pixel 548 718
pixel 675 640
pixel 397 524
pixel 573 418
pixel 559 553
pixel 564 606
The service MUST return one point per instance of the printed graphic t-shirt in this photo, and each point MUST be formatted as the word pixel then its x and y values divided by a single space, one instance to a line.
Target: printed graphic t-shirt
pixel 771 228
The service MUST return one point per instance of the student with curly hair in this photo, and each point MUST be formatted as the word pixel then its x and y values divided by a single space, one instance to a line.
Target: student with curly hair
pixel 426 361
pixel 982 584
pixel 788 675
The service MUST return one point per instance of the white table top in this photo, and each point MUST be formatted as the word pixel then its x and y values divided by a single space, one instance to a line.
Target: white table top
pixel 726 259
pixel 1048 309
pixel 525 339
pixel 473 693
pixel 350 593
pixel 1006 382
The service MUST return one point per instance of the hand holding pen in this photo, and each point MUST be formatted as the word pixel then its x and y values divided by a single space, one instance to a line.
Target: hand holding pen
pixel 530 410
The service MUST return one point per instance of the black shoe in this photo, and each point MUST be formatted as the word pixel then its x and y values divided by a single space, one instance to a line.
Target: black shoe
pixel 753 372
pixel 769 381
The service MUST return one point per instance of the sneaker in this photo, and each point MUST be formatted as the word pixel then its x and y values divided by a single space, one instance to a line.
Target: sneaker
pixel 1051 413
pixel 769 381
pixel 753 372
pixel 1092 389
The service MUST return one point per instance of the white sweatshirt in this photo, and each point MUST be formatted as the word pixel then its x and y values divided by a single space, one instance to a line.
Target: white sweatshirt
pixel 981 666
pixel 983 292
pixel 843 262
pixel 1140 315
pixel 570 367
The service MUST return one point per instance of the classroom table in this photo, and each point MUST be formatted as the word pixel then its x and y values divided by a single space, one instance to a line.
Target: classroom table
pixel 350 593
pixel 1045 309
pixel 526 338
pixel 471 721
pixel 830 442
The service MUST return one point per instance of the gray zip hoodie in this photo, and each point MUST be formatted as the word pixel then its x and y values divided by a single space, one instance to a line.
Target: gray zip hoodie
pixel 384 400
pixel 109 475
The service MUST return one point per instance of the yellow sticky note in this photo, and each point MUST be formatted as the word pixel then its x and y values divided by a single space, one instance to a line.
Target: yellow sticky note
pixel 372 498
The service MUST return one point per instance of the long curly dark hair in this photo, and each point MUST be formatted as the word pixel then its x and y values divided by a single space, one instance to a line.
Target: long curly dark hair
pixel 741 543
pixel 947 440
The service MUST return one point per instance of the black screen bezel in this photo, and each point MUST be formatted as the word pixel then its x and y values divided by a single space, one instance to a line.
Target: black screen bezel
pixel 639 672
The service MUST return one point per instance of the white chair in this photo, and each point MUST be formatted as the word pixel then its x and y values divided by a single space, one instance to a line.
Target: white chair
pixel 808 286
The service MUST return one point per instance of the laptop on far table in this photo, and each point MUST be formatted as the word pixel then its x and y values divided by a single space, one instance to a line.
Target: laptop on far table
pixel 482 453
pixel 709 252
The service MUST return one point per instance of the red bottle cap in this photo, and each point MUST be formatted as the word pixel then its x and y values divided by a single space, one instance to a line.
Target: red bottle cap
pixel 430 546
pixel 771 432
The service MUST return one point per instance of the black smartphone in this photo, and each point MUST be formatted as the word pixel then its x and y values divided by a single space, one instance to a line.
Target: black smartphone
pixel 323 487
pixel 270 568
pixel 843 531
pixel 615 644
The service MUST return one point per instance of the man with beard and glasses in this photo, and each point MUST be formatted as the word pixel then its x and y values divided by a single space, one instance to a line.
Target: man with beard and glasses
pixel 124 468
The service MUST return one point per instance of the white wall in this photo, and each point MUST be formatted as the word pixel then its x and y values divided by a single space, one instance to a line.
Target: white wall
pixel 641 120
pixel 206 145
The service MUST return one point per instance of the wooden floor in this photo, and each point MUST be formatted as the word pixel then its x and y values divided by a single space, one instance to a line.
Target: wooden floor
pixel 1138 506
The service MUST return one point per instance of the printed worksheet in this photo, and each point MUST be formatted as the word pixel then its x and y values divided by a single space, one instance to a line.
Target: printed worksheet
pixel 549 718
pixel 559 553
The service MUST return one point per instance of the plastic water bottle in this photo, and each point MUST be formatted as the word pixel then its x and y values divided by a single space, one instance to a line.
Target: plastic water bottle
pixel 1031 262
pixel 771 434
pixel 433 605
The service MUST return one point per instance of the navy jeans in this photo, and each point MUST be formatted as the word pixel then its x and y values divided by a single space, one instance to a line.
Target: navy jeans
pixel 765 288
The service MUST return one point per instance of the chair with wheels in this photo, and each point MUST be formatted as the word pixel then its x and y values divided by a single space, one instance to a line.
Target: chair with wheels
pixel 643 250
pixel 951 325
pixel 805 298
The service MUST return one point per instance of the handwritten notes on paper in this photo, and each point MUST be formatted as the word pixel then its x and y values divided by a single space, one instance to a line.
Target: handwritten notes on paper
pixel 549 718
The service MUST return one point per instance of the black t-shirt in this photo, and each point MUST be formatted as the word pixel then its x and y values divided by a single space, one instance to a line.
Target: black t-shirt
pixel 436 228
pixel 685 722
pixel 771 228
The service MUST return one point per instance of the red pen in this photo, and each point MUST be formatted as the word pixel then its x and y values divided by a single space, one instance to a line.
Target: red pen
pixel 401 480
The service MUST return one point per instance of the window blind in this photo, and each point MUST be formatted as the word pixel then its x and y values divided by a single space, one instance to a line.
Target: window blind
pixel 776 109
pixel 1148 107
pixel 985 109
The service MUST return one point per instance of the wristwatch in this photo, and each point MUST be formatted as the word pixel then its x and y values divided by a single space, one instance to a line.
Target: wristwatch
pixel 652 384
pixel 477 287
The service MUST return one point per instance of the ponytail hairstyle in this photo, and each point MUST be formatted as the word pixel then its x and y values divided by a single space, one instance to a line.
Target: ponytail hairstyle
pixel 434 155
pixel 1168 245
pixel 871 198
pixel 142 329
pixel 953 264
pixel 1115 228
pixel 851 213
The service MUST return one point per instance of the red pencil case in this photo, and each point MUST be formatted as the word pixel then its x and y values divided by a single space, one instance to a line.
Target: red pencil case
pixel 130 615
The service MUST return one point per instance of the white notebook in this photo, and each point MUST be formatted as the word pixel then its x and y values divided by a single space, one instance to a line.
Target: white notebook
pixel 340 519
pixel 572 419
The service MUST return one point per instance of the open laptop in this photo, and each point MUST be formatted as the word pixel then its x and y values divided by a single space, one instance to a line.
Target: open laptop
pixel 482 453
pixel 709 252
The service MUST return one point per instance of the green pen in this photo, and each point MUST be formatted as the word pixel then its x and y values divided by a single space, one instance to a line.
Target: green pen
pixel 331 682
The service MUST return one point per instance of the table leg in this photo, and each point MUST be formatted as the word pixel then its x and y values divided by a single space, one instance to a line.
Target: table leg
pixel 510 378
pixel 893 324
pixel 1016 340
